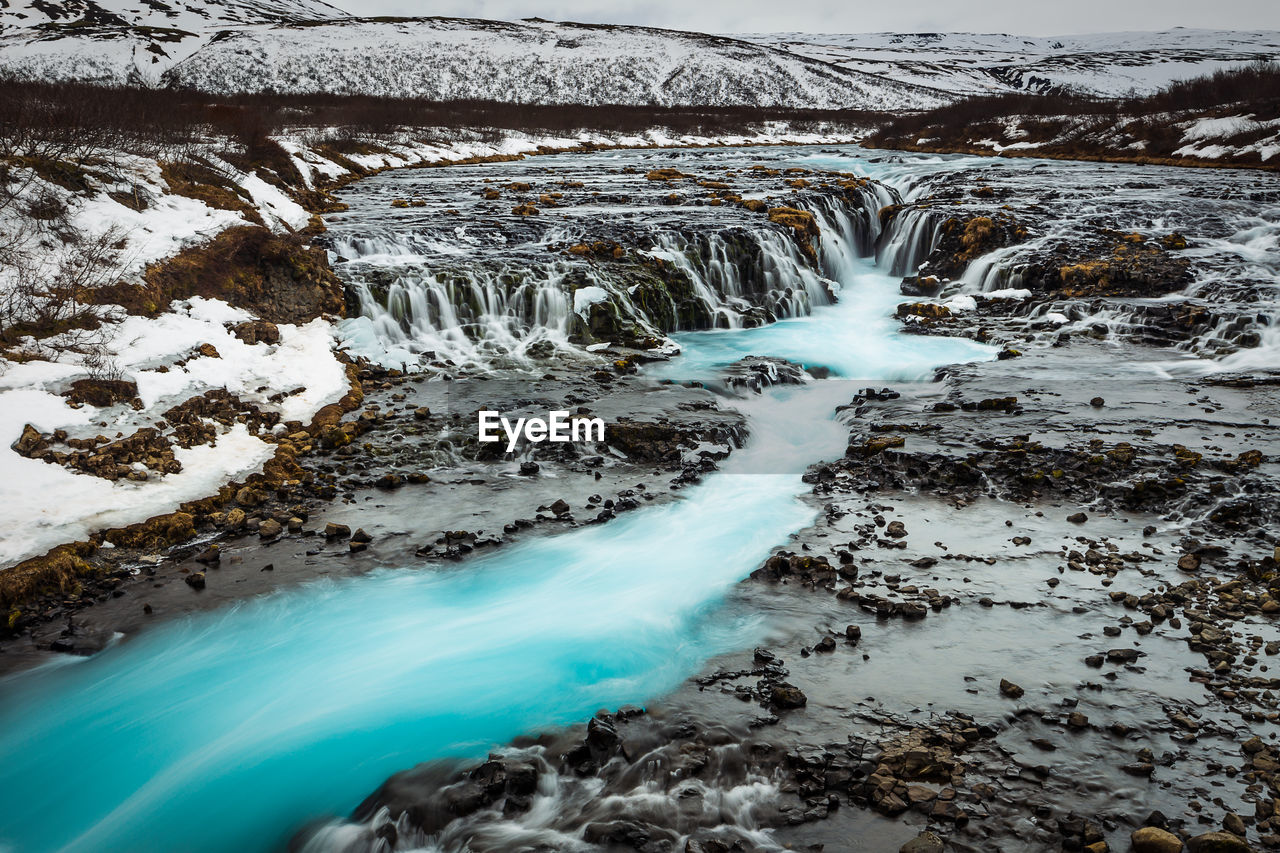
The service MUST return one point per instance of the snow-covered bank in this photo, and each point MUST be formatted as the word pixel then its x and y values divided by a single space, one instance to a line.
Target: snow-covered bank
pixel 43 505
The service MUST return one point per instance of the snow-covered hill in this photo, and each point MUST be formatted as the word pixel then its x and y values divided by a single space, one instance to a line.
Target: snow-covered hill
pixel 533 62
pixel 134 40
pixel 1108 64
pixel 309 46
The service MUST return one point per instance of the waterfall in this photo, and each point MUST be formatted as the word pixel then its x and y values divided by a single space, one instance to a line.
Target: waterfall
pixel 416 300
pixel 904 245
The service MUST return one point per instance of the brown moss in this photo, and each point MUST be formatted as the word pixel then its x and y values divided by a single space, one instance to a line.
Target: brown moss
pixel 977 234
pixel 277 277
pixel 927 310
pixel 58 570
pixel 193 180
pixel 801 222
pixel 159 531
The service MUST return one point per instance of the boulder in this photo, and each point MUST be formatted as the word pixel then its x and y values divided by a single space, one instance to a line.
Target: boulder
pixel 257 332
pixel 30 443
pixel 925 842
pixel 1218 842
pixel 787 696
pixel 1008 688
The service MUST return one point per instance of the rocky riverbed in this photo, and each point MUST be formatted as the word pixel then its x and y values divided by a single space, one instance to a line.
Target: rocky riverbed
pixel 1034 607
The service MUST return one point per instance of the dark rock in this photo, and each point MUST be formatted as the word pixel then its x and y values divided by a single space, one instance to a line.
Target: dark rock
pixel 783 696
pixel 102 392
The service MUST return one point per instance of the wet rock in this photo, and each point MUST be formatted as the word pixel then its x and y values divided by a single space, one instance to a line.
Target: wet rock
pixel 1218 842
pixel 1097 402
pixel 528 469
pixel 360 537
pixel 826 644
pixel 626 833
pixel 913 610
pixel 560 507
pixel 852 634
pixel 195 580
pixel 785 696
pixel 896 529
pixel 1234 824
pixel 1189 562
pixel 1123 655
pixel 925 842
pixel 1077 518
pixel 1008 688
pixel 336 531
pixel 755 373
pixel 270 529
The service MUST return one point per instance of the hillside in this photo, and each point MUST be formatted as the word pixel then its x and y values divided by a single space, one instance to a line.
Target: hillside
pixel 116 41
pixel 1104 64
pixel 1228 118
pixel 301 46
pixel 533 62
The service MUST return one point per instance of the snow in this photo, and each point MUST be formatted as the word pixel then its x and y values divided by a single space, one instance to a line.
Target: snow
pixel 1009 293
pixel 1215 128
pixel 42 505
pixel 1108 64
pixel 963 302
pixel 296 46
pixel 275 203
pixel 585 297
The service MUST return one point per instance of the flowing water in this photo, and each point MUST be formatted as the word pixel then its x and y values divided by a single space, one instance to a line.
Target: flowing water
pixel 232 729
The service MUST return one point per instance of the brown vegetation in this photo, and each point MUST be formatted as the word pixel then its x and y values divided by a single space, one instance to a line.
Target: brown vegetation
pixel 1068 125
pixel 278 277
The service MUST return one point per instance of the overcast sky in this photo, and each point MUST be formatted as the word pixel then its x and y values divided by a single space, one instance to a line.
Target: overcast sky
pixel 1023 17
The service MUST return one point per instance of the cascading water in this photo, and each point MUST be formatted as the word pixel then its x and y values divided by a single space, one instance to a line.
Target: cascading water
pixel 426 292
pixel 232 729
